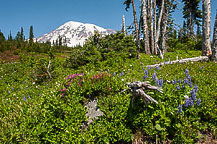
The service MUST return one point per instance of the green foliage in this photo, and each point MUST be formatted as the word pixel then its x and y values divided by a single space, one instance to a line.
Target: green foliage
pixel 53 111
pixel 98 49
pixel 38 109
pixel 186 44
pixel 31 35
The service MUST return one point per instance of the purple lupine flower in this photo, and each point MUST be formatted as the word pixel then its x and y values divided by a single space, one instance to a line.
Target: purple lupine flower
pixel 191 102
pixel 183 85
pixel 195 88
pixel 114 74
pixel 29 96
pixel 122 73
pixel 146 72
pixel 193 94
pixel 190 84
pixel 24 98
pixel 9 92
pixel 160 83
pixel 179 81
pixel 156 82
pixel 198 101
pixel 144 77
pixel 158 68
pixel 186 72
pixel 174 82
pixel 154 76
pixel 186 104
pixel 185 81
pixel 189 77
pixel 178 87
pixel 179 109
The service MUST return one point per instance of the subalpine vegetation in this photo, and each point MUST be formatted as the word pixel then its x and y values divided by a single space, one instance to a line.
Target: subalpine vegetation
pixel 46 91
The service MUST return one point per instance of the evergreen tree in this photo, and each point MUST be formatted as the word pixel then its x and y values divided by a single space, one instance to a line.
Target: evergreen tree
pixel 31 35
pixel 60 40
pixel 192 14
pixel 199 31
pixel 2 37
pixel 184 28
pixel 21 34
pixel 10 38
pixel 2 41
pixel 214 42
pixel 180 35
pixel 18 36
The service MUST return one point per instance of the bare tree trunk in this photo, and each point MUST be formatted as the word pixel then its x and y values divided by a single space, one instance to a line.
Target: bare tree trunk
pixel 180 34
pixel 145 27
pixel 214 44
pixel 123 26
pixel 140 21
pixel 158 29
pixel 151 28
pixel 164 29
pixel 136 29
pixel 155 27
pixel 206 45
pixel 191 27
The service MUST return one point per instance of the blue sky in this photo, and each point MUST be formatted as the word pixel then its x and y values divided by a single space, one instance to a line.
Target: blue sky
pixel 47 15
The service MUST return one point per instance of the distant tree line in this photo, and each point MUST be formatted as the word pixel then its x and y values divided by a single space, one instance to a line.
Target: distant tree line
pixel 20 43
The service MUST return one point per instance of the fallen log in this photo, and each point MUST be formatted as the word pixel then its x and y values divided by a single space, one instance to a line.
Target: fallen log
pixel 181 61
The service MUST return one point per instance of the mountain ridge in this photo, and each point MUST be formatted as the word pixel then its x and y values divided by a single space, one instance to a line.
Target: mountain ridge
pixel 73 33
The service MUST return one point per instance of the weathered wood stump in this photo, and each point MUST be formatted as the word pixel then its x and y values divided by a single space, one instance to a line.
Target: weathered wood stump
pixel 138 90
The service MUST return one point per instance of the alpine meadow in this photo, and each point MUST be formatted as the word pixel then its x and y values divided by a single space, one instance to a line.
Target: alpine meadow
pixel 150 81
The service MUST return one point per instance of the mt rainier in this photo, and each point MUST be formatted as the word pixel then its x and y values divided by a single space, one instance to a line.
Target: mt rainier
pixel 73 33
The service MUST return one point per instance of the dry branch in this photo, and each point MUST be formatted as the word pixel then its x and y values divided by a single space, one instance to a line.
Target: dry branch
pixel 48 68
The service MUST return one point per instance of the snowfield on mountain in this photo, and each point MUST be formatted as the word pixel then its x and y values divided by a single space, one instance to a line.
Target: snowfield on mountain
pixel 73 33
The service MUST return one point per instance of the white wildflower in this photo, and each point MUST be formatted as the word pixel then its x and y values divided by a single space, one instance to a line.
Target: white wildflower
pixel 186 97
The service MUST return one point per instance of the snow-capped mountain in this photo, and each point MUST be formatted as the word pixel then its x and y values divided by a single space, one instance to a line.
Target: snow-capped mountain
pixel 73 33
